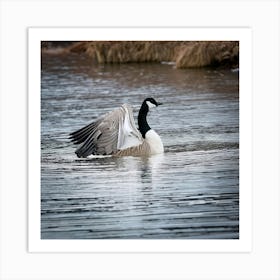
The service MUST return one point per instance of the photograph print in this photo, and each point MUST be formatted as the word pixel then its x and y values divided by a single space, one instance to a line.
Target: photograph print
pixel 139 140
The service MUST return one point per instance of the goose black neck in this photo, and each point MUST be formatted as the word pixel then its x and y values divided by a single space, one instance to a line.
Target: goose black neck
pixel 142 119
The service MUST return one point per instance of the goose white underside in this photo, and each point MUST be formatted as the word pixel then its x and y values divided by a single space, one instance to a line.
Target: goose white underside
pixel 154 142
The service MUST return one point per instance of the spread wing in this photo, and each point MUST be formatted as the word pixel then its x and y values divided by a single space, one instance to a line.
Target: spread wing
pixel 111 132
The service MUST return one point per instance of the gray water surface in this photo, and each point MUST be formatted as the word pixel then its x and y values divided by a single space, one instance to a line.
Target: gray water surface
pixel 189 192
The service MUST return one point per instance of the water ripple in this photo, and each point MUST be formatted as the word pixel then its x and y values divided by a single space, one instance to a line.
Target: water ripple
pixel 189 192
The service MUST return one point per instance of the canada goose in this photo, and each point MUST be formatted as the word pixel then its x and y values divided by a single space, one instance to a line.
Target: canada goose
pixel 115 134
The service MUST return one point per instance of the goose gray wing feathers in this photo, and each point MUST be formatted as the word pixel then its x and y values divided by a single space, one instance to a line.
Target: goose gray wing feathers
pixel 110 133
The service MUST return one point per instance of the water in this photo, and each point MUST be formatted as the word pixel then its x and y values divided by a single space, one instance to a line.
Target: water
pixel 189 192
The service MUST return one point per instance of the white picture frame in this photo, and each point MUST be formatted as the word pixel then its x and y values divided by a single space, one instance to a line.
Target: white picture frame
pixel 243 35
pixel 260 261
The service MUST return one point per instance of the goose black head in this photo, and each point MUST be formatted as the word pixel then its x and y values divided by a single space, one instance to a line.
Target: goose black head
pixel 151 102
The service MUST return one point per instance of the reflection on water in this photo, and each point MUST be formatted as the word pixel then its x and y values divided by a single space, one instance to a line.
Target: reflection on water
pixel 191 191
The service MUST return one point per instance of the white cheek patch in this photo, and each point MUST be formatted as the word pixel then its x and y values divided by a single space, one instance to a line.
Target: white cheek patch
pixel 150 104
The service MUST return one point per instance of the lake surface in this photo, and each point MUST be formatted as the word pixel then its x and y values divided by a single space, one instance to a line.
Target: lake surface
pixel 189 192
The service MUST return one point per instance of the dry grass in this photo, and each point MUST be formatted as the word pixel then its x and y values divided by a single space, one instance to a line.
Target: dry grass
pixel 126 51
pixel 186 54
pixel 201 54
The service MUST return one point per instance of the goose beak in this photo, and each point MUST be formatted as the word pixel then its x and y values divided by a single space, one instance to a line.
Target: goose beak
pixel 158 103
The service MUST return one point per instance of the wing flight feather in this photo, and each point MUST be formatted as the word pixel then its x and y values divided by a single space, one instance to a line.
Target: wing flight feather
pixel 110 133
